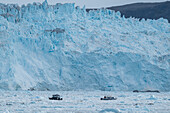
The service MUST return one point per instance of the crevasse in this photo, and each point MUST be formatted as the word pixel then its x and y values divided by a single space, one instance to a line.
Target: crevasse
pixel 63 47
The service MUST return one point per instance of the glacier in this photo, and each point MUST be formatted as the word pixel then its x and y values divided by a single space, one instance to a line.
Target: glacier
pixel 63 47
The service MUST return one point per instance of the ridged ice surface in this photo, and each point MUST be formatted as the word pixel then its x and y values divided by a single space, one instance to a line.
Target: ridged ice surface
pixel 63 47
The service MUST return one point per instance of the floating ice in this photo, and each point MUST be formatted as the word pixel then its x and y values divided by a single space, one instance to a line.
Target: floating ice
pixel 109 111
pixel 152 97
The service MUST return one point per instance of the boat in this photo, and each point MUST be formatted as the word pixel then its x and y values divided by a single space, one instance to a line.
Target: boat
pixel 55 97
pixel 108 98
pixel 137 91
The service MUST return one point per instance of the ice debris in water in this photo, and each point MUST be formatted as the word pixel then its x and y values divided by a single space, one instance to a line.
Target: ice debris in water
pixel 152 97
pixel 110 110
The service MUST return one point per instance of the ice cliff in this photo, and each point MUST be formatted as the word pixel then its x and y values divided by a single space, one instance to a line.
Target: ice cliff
pixel 63 47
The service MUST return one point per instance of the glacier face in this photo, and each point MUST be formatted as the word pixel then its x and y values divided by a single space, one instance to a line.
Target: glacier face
pixel 62 47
